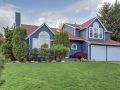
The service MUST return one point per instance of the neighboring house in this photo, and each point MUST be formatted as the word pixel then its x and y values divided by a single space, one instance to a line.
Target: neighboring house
pixel 90 37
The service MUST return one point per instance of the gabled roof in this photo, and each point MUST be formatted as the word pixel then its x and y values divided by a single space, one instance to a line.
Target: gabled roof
pixel 82 26
pixel 106 42
pixel 32 28
pixel 87 23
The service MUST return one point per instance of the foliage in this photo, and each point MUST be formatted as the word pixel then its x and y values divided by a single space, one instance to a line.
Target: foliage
pixel 20 47
pixel 34 54
pixel 61 38
pixel 6 47
pixel 62 76
pixel 80 55
pixel 44 51
pixel 2 60
pixel 109 14
pixel 59 51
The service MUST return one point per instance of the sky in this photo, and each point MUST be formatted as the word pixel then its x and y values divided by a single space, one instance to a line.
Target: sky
pixel 52 12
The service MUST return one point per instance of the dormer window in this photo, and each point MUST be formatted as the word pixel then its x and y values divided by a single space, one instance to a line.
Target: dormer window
pixel 95 32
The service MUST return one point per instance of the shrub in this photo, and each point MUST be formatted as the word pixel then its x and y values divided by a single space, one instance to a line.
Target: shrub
pixel 34 54
pixel 80 55
pixel 59 51
pixel 20 47
pixel 2 60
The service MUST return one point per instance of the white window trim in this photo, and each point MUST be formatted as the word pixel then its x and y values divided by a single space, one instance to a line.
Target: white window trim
pixel 48 40
pixel 75 46
pixel 93 37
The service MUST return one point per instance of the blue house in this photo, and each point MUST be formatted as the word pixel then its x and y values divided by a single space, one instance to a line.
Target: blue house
pixel 90 37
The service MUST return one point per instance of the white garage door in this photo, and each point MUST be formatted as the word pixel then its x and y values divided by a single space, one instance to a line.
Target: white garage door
pixel 113 53
pixel 98 52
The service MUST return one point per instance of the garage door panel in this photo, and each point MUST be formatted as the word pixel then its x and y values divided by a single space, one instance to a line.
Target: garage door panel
pixel 98 52
pixel 113 53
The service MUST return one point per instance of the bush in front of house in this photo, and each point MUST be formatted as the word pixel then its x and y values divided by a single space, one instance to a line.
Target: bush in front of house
pixel 59 51
pixel 2 61
pixel 80 55
pixel 20 47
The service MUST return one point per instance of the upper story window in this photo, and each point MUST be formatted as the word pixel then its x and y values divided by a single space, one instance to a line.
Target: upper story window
pixel 95 32
pixel 74 46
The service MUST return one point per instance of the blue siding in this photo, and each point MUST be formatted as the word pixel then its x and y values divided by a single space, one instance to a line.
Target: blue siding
pixel 79 47
pixel 68 29
pixel 107 36
pixel 83 33
pixel 36 34
pixel 100 27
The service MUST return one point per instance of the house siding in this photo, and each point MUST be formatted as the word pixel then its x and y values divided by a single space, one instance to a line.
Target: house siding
pixel 107 36
pixel 100 25
pixel 69 29
pixel 83 33
pixel 79 47
pixel 36 35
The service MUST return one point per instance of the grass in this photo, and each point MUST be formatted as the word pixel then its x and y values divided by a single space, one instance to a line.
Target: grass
pixel 62 76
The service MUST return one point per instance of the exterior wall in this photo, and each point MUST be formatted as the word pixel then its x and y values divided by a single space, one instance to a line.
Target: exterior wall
pixel 36 34
pixel 83 33
pixel 107 36
pixel 79 47
pixel 100 25
pixel 77 32
pixel 69 29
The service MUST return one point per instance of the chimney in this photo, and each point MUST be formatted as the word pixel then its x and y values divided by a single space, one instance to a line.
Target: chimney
pixel 17 19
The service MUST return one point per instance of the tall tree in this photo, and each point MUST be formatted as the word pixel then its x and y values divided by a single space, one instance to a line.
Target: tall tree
pixel 110 16
pixel 104 14
pixel 61 38
pixel 7 44
pixel 20 47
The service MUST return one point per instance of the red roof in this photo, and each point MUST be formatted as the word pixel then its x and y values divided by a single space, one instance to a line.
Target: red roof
pixel 86 24
pixel 73 37
pixel 82 26
pixel 31 28
pixel 106 42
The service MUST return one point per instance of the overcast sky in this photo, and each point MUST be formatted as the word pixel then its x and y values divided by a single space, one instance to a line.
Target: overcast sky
pixel 53 12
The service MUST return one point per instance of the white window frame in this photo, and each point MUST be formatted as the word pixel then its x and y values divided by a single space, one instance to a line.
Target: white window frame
pixel 93 37
pixel 35 43
pixel 49 42
pixel 72 46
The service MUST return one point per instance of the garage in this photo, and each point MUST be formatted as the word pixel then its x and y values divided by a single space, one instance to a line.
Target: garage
pixel 105 53
pixel 98 52
pixel 113 53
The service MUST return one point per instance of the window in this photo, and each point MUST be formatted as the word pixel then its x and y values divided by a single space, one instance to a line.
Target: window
pixel 90 32
pixel 35 43
pixel 74 46
pixel 44 38
pixel 95 32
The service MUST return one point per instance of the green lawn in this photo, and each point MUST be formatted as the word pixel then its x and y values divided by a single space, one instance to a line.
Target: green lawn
pixel 62 76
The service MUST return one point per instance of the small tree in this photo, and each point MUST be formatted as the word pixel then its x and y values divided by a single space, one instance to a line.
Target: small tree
pixel 59 51
pixel 6 46
pixel 20 47
pixel 61 38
